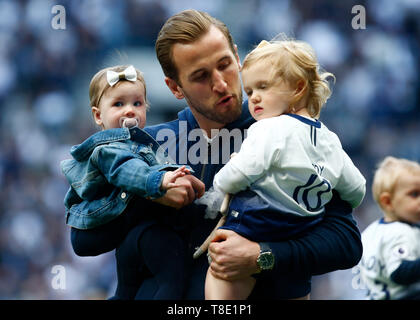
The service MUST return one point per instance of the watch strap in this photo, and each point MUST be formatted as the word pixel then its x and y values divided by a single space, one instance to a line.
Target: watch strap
pixel 264 247
pixel 265 251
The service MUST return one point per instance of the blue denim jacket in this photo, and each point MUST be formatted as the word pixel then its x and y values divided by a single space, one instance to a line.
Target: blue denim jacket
pixel 107 170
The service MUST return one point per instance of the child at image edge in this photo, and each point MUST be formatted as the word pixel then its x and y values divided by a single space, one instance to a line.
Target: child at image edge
pixel 289 164
pixel 115 167
pixel 390 265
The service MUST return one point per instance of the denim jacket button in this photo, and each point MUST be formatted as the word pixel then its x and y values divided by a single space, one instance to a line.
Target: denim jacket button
pixel 123 195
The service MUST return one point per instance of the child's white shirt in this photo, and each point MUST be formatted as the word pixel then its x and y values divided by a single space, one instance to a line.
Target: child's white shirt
pixel 294 163
pixel 385 246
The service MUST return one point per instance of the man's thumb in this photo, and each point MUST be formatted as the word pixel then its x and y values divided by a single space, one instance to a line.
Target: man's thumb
pixel 220 235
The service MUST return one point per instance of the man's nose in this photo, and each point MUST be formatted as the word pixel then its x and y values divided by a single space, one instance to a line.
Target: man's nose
pixel 219 83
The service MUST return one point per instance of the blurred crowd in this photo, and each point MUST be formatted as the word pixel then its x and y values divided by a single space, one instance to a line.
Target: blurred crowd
pixel 44 79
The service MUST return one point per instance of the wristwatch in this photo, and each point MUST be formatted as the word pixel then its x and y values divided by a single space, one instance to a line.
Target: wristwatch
pixel 265 260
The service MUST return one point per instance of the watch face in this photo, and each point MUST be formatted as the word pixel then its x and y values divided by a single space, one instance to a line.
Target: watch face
pixel 266 260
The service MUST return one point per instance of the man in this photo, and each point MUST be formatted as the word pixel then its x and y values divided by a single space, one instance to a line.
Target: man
pixel 201 65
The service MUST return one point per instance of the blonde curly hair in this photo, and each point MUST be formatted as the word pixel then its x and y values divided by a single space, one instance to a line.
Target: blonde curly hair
pixel 294 61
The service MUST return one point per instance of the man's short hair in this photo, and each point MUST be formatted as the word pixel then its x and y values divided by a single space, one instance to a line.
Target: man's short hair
pixel 185 27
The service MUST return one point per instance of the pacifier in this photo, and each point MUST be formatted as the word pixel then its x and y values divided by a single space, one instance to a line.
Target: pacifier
pixel 128 122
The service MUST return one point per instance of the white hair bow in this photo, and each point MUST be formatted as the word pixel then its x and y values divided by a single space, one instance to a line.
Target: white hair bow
pixel 129 74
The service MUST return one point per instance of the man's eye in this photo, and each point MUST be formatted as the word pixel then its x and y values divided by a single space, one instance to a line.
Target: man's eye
pixel 137 103
pixel 224 65
pixel 200 77
pixel 118 104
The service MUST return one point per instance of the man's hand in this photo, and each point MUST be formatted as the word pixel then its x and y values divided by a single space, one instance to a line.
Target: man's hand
pixel 187 189
pixel 233 256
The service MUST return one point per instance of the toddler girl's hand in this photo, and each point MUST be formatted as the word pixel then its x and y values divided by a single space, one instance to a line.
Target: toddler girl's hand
pixel 170 177
pixel 187 190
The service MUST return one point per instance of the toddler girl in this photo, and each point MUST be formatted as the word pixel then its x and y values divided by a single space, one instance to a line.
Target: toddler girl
pixel 121 168
pixel 289 164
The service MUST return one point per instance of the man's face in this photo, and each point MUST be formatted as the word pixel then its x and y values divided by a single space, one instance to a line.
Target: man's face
pixel 208 73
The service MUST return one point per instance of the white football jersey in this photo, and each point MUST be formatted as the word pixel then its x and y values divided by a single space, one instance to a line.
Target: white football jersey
pixel 294 163
pixel 385 245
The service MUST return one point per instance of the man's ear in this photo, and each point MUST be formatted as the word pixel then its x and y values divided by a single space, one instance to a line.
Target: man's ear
pixel 237 57
pixel 175 89
pixel 96 112
pixel 385 201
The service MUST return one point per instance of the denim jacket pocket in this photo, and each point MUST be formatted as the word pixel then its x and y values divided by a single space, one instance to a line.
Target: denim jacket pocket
pixel 91 214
